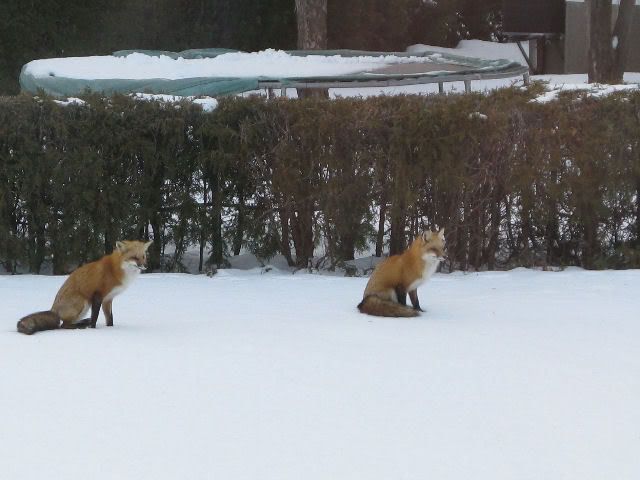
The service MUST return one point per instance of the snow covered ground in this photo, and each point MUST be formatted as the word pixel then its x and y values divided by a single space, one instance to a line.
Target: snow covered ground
pixel 251 374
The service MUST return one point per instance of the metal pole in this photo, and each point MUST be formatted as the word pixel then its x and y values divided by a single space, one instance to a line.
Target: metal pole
pixel 526 57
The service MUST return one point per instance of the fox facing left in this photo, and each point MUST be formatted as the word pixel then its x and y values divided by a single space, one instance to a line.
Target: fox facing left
pixel 93 285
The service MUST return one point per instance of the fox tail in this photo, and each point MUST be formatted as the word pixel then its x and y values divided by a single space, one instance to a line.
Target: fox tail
pixel 39 321
pixel 381 307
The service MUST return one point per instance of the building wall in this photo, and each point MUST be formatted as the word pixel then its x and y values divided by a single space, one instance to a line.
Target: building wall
pixel 576 38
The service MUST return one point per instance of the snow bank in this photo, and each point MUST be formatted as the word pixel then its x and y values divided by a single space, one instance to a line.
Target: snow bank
pixel 267 63
pixel 208 104
pixel 246 375
pixel 555 82
pixel 478 49
pixel 592 89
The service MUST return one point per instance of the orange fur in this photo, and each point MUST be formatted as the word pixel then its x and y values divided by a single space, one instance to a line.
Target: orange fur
pixel 89 287
pixel 399 275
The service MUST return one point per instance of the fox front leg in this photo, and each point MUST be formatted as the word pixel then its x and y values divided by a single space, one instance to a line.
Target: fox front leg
pixel 401 295
pixel 413 296
pixel 108 312
pixel 96 301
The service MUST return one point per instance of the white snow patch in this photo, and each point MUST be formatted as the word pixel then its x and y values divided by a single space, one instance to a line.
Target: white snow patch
pixel 269 63
pixel 478 115
pixel 478 49
pixel 208 103
pixel 592 89
pixel 458 87
pixel 71 101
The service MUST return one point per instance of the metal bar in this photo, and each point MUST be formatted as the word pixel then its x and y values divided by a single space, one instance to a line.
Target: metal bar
pixel 467 86
pixel 526 57
pixel 441 87
pixel 416 80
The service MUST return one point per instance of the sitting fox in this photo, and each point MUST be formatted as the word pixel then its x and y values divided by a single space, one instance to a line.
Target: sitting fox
pixel 92 285
pixel 386 292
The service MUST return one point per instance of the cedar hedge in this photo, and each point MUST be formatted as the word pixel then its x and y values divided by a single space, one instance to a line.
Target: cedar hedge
pixel 515 182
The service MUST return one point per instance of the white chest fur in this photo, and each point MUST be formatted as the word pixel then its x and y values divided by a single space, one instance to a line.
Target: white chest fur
pixel 431 262
pixel 131 272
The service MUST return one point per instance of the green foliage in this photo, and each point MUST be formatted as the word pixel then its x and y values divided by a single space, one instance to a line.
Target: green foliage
pixel 514 182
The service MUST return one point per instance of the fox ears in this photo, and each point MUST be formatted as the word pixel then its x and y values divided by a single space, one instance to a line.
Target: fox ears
pixel 428 235
pixel 121 246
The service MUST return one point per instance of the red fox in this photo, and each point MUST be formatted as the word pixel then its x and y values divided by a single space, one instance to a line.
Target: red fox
pixel 92 285
pixel 386 292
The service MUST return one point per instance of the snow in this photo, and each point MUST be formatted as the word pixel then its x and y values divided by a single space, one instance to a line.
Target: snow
pixel 478 49
pixel 208 104
pixel 268 63
pixel 71 101
pixel 274 62
pixel 252 374
pixel 554 81
pixel 594 90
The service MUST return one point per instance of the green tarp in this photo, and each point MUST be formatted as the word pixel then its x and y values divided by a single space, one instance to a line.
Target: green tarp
pixel 217 86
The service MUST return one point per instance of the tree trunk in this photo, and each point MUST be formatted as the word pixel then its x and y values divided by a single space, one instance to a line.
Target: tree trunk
pixel 311 17
pixel 381 222
pixel 607 50
pixel 216 258
pixel 600 49
pixel 621 36
pixel 302 232
pixel 203 220
pixel 398 209
pixel 239 233
pixel 285 242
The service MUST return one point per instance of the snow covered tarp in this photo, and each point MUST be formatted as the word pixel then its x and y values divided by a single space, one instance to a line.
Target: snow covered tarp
pixel 215 72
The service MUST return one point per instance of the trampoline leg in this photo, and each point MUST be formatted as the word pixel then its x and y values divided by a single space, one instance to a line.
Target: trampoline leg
pixel 526 78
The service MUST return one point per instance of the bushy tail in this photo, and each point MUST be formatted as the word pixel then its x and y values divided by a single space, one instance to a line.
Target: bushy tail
pixel 381 307
pixel 38 321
